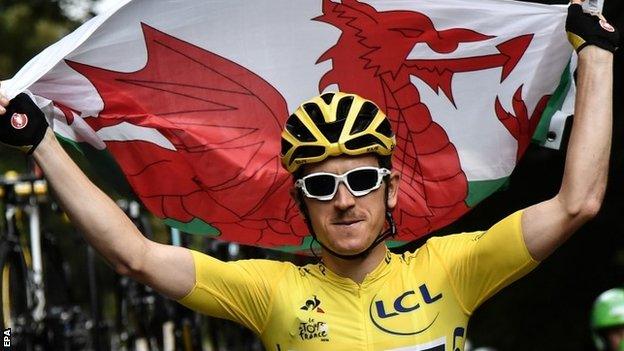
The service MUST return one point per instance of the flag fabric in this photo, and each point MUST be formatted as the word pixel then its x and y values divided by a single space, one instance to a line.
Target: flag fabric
pixel 184 100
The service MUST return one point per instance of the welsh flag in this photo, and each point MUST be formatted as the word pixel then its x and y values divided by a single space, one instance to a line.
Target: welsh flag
pixel 184 101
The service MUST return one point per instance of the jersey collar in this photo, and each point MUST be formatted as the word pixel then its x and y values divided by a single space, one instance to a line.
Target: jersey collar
pixel 375 276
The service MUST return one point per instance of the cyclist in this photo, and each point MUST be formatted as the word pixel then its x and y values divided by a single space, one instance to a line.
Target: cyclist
pixel 360 296
pixel 607 320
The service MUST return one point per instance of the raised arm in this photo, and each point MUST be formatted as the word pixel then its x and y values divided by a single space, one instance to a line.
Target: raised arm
pixel 167 269
pixel 548 224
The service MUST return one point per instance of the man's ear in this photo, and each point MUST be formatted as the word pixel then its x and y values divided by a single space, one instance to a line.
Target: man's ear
pixel 294 193
pixel 393 189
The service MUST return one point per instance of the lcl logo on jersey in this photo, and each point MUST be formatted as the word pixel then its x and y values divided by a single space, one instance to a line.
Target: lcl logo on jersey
pixel 386 314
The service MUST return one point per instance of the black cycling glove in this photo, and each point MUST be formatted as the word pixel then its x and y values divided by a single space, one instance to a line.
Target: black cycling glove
pixel 585 29
pixel 23 125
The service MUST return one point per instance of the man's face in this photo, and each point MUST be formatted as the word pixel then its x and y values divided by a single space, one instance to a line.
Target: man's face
pixel 615 338
pixel 348 224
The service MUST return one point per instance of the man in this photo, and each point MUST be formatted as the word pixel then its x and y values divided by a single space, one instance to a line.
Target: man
pixel 360 296
pixel 607 320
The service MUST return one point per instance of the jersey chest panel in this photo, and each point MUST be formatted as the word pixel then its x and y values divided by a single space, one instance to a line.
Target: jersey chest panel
pixel 403 309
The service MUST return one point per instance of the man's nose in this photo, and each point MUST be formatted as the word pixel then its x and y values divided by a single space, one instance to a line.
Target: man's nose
pixel 343 199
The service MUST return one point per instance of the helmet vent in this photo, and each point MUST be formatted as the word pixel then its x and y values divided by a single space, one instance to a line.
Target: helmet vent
pixel 328 97
pixel 364 117
pixel 285 146
pixel 295 127
pixel 314 112
pixel 344 105
pixel 332 130
pixel 362 141
pixel 384 128
pixel 307 151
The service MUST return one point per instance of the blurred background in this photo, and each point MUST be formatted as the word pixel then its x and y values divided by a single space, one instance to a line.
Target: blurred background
pixel 547 310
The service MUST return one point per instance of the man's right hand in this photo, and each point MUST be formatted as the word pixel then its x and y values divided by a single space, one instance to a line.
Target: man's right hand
pixel 22 124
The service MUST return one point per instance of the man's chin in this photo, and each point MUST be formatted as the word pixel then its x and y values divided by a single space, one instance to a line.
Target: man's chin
pixel 348 240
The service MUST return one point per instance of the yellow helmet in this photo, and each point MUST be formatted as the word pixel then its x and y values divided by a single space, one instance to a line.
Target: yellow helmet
pixel 334 124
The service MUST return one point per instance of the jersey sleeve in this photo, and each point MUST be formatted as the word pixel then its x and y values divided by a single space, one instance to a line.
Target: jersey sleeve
pixel 480 264
pixel 240 291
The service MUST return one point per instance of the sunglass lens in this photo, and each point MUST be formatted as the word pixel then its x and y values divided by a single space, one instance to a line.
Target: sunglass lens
pixel 363 179
pixel 320 185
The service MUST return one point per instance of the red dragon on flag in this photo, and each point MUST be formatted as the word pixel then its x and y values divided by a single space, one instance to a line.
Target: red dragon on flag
pixel 223 122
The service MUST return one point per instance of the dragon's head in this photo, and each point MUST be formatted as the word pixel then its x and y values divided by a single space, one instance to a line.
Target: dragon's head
pixel 383 40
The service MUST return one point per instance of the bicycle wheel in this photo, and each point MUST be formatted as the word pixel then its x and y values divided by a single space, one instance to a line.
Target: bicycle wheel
pixel 188 329
pixel 67 325
pixel 14 294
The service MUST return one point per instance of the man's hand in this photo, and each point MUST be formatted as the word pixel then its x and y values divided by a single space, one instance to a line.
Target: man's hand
pixel 22 124
pixel 585 29
pixel 4 102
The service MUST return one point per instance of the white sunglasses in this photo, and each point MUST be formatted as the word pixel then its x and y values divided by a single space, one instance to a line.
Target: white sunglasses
pixel 360 181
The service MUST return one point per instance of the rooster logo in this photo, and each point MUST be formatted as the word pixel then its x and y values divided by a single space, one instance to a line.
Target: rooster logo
pixel 221 122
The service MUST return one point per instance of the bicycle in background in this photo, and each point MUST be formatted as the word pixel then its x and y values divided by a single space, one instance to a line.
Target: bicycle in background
pixel 26 269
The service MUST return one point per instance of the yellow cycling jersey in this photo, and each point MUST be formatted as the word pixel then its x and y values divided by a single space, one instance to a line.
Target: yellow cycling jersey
pixel 414 301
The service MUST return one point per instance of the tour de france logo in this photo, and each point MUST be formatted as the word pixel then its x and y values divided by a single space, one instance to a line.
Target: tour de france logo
pixel 309 326
pixel 313 329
